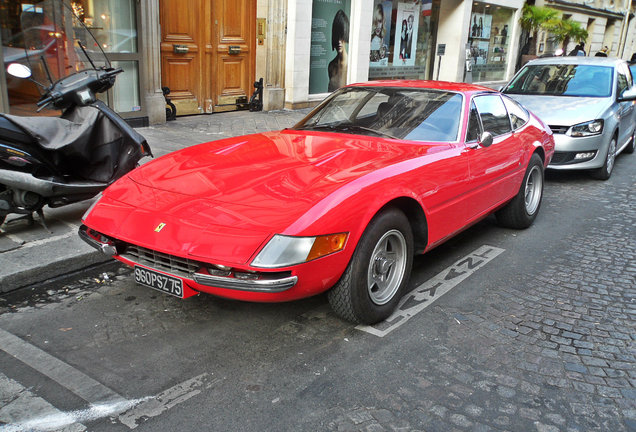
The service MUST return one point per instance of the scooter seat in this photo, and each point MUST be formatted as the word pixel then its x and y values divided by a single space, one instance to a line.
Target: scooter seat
pixel 12 133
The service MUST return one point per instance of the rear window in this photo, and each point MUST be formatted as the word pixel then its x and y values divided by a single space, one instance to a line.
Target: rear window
pixel 563 80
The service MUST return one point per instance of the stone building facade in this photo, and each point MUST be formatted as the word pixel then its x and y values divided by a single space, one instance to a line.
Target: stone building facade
pixel 211 53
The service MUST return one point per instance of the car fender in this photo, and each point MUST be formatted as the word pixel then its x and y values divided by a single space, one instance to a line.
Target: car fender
pixel 351 208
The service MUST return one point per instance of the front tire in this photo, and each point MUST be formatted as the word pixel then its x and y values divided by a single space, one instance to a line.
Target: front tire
pixel 632 144
pixel 379 270
pixel 522 210
pixel 605 172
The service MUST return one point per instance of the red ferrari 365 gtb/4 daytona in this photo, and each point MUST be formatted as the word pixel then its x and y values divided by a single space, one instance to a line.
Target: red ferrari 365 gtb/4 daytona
pixel 341 202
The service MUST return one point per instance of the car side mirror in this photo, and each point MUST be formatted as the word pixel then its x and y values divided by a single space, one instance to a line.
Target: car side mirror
pixel 628 95
pixel 485 140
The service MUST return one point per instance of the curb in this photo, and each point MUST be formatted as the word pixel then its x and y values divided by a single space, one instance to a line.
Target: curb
pixel 77 256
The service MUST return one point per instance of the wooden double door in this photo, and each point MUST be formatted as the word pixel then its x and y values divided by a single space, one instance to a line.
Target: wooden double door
pixel 208 53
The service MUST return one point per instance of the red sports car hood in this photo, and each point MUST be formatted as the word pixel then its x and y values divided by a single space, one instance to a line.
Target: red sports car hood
pixel 250 186
pixel 284 172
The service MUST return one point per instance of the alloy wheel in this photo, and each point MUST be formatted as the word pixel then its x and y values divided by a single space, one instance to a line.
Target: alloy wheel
pixel 611 155
pixel 386 267
pixel 533 190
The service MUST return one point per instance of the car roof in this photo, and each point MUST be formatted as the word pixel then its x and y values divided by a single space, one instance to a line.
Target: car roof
pixel 424 84
pixel 582 60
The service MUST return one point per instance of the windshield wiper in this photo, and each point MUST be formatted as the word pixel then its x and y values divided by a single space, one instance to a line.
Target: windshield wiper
pixel 353 127
pixel 348 127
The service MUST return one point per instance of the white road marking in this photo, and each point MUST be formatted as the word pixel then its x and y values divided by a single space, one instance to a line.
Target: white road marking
pixel 428 292
pixel 67 376
pixel 33 413
pixel 165 400
pixel 23 411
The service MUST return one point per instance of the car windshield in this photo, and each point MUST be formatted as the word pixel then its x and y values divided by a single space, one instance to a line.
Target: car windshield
pixel 410 114
pixel 563 80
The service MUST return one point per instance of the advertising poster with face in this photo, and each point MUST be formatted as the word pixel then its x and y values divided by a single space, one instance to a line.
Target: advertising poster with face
pixel 329 45
pixel 380 33
pixel 480 27
pixel 406 24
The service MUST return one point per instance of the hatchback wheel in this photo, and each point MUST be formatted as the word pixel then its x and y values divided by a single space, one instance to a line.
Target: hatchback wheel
pixel 632 144
pixel 604 172
pixel 373 283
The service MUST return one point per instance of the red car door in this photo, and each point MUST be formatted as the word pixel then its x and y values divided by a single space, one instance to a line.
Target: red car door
pixel 492 168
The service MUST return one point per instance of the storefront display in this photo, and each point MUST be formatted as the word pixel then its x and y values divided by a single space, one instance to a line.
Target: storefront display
pixel 489 41
pixel 113 23
pixel 401 40
pixel 329 45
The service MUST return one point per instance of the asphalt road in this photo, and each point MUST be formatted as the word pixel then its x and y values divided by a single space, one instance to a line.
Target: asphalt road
pixel 503 330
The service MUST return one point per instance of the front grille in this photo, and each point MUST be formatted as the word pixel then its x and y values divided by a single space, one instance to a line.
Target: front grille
pixel 161 261
pixel 559 129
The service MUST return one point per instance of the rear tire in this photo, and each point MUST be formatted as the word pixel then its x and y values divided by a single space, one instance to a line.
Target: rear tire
pixel 379 270
pixel 605 172
pixel 522 210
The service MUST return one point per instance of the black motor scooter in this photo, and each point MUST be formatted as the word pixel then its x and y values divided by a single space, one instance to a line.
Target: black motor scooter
pixel 56 161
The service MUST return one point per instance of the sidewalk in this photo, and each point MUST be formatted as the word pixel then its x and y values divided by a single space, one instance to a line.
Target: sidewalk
pixel 31 254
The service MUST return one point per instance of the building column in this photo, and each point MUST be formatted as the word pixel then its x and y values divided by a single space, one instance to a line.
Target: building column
pixel 297 51
pixel 274 85
pixel 154 100
pixel 454 24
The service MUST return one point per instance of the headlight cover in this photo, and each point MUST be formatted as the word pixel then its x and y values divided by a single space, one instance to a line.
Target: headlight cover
pixel 283 251
pixel 594 127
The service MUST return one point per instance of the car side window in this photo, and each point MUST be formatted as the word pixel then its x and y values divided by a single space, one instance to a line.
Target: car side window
pixel 493 114
pixel 622 82
pixel 519 116
pixel 474 126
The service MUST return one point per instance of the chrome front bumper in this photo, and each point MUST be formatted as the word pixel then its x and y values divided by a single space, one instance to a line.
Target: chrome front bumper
pixel 264 283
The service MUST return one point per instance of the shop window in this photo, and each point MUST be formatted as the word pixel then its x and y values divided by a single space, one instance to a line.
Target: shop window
pixel 402 39
pixel 489 40
pixel 126 89
pixel 113 23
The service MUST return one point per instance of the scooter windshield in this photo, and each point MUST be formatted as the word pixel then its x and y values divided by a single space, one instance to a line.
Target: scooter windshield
pixel 57 44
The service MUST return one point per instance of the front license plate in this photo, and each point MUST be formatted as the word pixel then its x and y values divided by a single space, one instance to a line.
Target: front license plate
pixel 159 281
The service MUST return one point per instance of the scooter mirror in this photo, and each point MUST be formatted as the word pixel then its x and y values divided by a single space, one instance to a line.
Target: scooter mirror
pixel 18 70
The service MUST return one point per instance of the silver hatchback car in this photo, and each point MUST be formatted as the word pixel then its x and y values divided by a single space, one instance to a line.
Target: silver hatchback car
pixel 588 102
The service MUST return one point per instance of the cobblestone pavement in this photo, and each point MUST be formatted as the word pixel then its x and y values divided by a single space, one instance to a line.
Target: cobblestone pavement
pixel 559 357
pixel 548 348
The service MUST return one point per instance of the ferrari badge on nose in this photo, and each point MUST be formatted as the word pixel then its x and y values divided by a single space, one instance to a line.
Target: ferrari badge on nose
pixel 160 227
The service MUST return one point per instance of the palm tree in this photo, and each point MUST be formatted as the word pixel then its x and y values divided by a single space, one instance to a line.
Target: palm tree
pixel 563 31
pixel 533 19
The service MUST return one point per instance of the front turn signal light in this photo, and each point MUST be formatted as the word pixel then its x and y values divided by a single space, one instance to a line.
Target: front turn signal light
pixel 327 244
